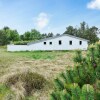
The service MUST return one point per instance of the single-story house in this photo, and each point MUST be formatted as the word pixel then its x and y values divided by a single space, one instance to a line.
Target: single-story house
pixel 61 42
pixel 98 35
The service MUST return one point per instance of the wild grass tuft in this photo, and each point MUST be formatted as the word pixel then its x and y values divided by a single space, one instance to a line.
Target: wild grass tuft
pixel 30 81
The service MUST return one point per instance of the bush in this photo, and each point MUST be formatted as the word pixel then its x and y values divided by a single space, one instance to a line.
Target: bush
pixel 21 42
pixel 83 81
pixel 29 79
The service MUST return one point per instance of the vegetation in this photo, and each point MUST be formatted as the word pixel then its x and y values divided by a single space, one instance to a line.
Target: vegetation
pixel 5 92
pixel 21 42
pixel 8 35
pixel 83 81
pixel 47 64
pixel 84 31
pixel 18 63
pixel 29 81
pixel 20 85
pixel 29 75
pixel 38 55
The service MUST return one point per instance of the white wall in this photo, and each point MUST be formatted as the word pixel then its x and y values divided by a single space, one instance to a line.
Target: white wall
pixel 55 45
pixel 17 48
pixel 98 35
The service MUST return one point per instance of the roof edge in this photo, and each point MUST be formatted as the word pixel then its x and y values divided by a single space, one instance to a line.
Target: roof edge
pixel 45 39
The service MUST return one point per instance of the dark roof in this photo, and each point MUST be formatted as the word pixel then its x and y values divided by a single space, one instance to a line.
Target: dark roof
pixel 54 38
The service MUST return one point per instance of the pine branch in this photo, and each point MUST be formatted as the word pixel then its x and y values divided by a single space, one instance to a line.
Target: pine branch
pixel 59 84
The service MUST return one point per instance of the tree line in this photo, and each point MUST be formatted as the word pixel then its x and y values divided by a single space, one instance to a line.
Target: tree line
pixel 84 31
pixel 8 35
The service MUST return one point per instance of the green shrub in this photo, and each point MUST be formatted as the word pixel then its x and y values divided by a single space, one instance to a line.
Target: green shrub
pixel 82 82
pixel 21 42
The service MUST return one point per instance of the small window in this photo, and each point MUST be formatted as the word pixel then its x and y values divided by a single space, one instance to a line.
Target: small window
pixel 50 43
pixel 60 42
pixel 80 42
pixel 70 42
pixel 44 43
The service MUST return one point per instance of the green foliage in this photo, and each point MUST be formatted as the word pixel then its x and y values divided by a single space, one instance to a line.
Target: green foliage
pixel 64 95
pixel 7 35
pixel 84 31
pixel 78 57
pixel 59 85
pixel 75 92
pixel 3 38
pixel 87 92
pixel 83 81
pixel 37 55
pixel 21 42
pixel 43 55
pixel 34 35
pixel 31 35
pixel 5 92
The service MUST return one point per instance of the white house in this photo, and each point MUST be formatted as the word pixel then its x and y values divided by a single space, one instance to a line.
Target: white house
pixel 62 42
pixel 98 35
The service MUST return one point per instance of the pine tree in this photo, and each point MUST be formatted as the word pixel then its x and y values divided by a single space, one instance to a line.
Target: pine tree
pixel 83 81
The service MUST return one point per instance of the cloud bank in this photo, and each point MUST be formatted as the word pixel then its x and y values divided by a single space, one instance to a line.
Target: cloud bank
pixel 94 4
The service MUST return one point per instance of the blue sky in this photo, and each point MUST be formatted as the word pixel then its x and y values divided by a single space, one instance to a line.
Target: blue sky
pixel 48 15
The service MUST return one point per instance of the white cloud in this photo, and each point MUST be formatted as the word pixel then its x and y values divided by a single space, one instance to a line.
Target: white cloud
pixel 41 21
pixel 94 4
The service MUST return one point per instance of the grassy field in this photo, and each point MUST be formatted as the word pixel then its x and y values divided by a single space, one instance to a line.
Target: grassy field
pixel 47 64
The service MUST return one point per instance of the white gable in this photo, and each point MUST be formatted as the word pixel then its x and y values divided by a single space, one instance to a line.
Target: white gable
pixel 67 43
pixel 63 35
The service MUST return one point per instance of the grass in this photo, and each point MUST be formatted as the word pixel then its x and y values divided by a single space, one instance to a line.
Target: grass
pixel 39 55
pixel 5 92
pixel 47 64
pixel 23 83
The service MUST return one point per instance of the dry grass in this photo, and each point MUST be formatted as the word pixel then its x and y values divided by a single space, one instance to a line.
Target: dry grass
pixel 11 63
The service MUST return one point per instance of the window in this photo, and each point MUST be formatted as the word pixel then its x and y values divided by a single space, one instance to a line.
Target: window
pixel 44 43
pixel 70 42
pixel 60 42
pixel 50 43
pixel 80 42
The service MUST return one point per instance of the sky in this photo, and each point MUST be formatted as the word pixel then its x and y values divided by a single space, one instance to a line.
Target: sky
pixel 48 15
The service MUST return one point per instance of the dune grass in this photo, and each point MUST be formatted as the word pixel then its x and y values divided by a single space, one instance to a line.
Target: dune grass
pixel 47 64
pixel 39 55
pixel 5 92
